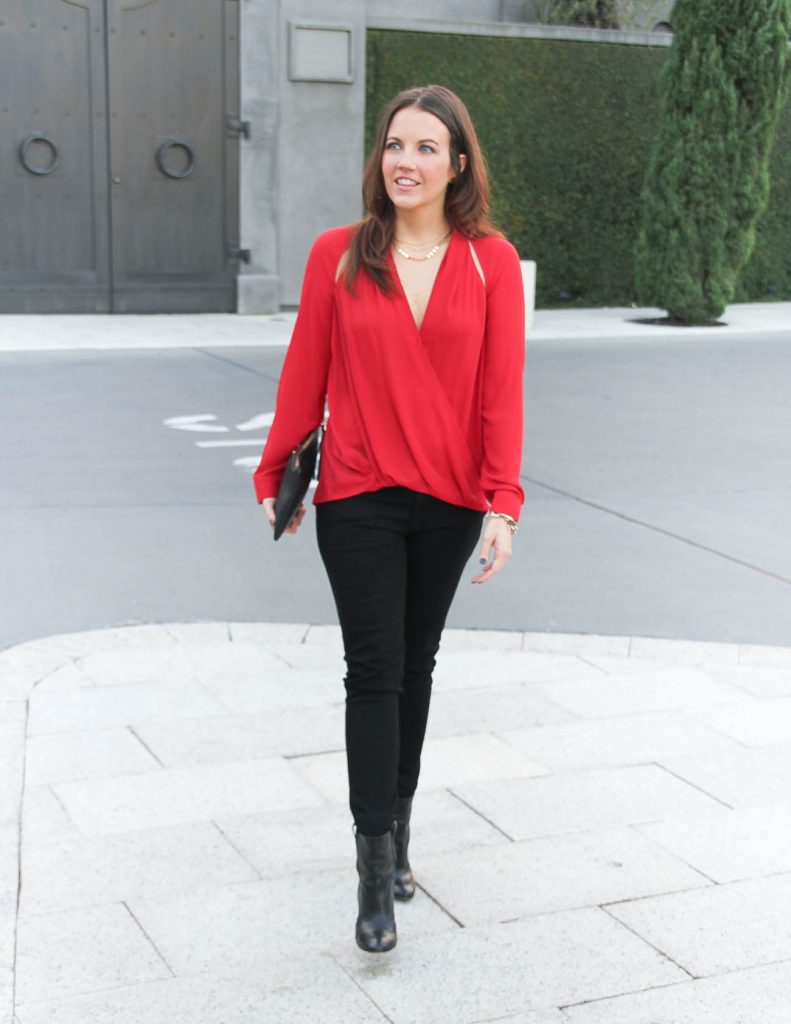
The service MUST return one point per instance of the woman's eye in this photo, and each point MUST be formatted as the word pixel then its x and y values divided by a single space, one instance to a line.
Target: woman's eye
pixel 426 149
pixel 392 145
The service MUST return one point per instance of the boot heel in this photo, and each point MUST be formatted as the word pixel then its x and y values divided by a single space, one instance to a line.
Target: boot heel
pixel 403 879
pixel 375 930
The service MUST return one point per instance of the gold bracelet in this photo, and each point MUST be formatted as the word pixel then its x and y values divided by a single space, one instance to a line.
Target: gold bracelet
pixel 510 522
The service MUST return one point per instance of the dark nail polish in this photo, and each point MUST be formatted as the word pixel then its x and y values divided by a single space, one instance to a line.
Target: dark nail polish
pixel 482 561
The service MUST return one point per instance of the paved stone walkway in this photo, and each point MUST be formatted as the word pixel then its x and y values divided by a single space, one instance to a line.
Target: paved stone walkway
pixel 602 834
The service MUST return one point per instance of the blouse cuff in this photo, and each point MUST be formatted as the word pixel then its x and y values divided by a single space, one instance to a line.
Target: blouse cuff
pixel 266 486
pixel 506 502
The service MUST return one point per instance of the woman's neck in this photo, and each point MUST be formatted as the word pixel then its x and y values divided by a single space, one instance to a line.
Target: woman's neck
pixel 420 226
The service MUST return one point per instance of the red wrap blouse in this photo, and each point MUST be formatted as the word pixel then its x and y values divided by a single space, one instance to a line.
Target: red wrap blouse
pixel 437 410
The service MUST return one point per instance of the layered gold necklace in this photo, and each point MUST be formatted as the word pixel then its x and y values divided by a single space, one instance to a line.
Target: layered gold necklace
pixel 426 256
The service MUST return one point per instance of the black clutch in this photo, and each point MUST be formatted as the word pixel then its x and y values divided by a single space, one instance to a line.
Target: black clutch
pixel 301 468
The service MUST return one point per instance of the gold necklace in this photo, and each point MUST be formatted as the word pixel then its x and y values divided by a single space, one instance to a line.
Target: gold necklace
pixel 432 251
pixel 417 245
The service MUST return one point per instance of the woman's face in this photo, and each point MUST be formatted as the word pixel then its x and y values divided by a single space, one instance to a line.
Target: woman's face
pixel 416 163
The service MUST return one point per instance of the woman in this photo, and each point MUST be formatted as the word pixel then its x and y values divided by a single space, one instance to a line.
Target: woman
pixel 411 325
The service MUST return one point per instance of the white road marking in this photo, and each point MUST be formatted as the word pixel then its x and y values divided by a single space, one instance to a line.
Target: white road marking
pixel 257 442
pixel 200 421
pixel 266 419
pixel 207 422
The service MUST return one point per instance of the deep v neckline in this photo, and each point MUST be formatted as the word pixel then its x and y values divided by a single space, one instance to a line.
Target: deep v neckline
pixel 402 290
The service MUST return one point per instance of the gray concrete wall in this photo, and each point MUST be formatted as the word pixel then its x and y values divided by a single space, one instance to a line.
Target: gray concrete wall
pixel 320 145
pixel 447 10
pixel 258 282
pixel 643 15
pixel 301 167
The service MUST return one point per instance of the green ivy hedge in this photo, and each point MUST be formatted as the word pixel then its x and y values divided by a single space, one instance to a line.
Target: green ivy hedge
pixel 567 128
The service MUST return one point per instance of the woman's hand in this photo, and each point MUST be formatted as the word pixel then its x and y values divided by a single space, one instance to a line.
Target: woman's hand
pixel 497 540
pixel 269 512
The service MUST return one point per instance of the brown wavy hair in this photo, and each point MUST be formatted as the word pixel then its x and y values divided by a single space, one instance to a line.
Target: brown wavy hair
pixel 466 198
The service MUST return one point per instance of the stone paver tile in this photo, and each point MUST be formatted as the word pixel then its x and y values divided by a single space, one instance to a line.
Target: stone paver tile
pixel 615 666
pixel 314 990
pixel 103 707
pixel 285 842
pixel 540 1017
pixel 759 654
pixel 82 950
pixel 55 757
pixel 195 741
pixel 448 761
pixel 741 997
pixel 544 962
pixel 265 633
pixel 182 664
pixel 148 863
pixel 720 928
pixel 239 926
pixel 312 655
pixel 493 709
pixel 281 690
pixel 12 761
pixel 68 678
pixel 577 643
pixel 9 872
pixel 12 724
pixel 7 993
pixel 8 906
pixel 577 801
pixel 732 845
pixel 202 633
pixel 480 640
pixel 625 739
pixel 740 777
pixel 328 636
pixel 486 885
pixel 319 994
pixel 683 652
pixel 465 670
pixel 759 680
pixel 22 667
pixel 44 819
pixel 454 760
pixel 758 724
pixel 665 690
pixel 148 637
pixel 180 795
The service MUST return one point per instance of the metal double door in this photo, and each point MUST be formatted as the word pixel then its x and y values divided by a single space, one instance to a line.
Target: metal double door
pixel 119 155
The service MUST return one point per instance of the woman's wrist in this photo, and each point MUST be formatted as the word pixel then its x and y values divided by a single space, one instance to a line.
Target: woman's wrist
pixel 509 521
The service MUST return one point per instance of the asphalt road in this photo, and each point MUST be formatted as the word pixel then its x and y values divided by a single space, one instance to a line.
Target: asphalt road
pixel 658 480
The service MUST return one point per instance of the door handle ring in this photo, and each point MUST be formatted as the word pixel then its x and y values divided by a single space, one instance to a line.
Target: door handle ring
pixel 25 144
pixel 171 144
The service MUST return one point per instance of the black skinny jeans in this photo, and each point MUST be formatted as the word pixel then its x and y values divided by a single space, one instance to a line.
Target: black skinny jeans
pixel 394 559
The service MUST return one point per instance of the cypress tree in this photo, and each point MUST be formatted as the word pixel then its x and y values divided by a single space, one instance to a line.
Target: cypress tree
pixel 723 87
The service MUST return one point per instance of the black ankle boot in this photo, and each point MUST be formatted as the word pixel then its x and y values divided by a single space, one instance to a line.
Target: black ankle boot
pixel 403 879
pixel 376 928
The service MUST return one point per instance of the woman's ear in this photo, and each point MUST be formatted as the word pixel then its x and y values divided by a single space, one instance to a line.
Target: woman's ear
pixel 462 164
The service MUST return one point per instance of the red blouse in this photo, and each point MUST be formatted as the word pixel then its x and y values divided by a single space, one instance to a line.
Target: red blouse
pixel 437 410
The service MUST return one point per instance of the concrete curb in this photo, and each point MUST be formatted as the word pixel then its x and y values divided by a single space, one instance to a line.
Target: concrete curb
pixel 25 665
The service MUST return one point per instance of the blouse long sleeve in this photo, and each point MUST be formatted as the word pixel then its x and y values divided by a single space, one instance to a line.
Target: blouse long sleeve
pixel 502 387
pixel 302 390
